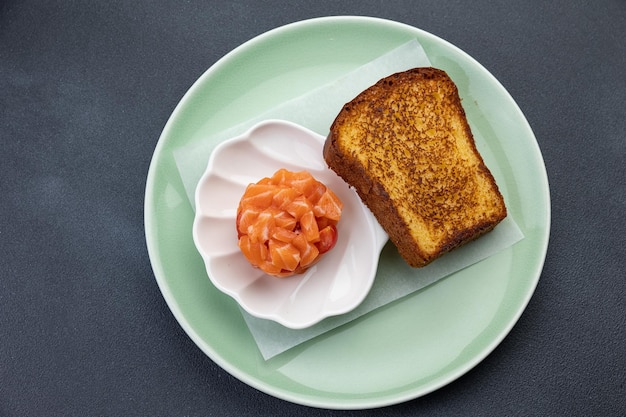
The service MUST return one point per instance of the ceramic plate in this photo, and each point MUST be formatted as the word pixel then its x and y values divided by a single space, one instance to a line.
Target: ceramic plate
pixel 405 350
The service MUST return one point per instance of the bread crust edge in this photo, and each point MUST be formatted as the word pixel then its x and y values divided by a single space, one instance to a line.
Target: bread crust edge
pixel 377 200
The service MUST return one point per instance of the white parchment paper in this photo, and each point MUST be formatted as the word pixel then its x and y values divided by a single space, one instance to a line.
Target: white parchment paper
pixel 395 279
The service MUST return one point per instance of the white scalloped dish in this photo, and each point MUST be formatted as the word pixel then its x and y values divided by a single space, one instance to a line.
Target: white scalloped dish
pixel 337 283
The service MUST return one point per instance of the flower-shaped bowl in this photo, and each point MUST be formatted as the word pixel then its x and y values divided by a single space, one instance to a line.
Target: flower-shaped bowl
pixel 337 283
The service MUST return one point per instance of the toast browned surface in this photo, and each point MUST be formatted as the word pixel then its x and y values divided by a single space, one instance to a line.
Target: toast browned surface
pixel 405 145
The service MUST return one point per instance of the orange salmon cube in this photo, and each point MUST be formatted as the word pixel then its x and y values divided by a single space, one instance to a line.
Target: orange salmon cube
pixel 283 235
pixel 284 255
pixel 284 196
pixel 298 207
pixel 246 218
pixel 257 195
pixel 285 220
pixel 261 229
pixel 279 177
pixel 255 252
pixel 309 227
pixel 328 206
pixel 308 251
pixel 269 268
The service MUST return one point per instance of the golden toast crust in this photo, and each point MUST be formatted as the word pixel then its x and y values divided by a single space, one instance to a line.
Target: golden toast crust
pixel 405 145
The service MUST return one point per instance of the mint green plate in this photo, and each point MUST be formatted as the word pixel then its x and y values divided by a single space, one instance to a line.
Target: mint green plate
pixel 398 352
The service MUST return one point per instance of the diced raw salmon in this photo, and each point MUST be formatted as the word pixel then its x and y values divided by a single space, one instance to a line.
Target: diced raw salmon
pixel 284 196
pixel 298 207
pixel 256 253
pixel 283 235
pixel 286 222
pixel 261 229
pixel 284 255
pixel 328 206
pixel 308 251
pixel 257 195
pixel 245 218
pixel 309 227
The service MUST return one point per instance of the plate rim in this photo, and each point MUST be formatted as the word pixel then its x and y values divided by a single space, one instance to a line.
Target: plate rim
pixel 258 383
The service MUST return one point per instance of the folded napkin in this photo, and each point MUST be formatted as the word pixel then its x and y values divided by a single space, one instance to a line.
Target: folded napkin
pixel 395 279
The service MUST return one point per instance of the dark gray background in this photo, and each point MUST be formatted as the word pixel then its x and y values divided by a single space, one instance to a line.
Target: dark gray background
pixel 85 90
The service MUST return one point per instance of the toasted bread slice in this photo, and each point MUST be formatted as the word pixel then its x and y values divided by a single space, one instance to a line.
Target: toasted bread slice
pixel 405 145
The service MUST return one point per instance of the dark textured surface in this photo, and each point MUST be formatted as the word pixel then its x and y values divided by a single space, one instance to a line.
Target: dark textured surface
pixel 85 89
